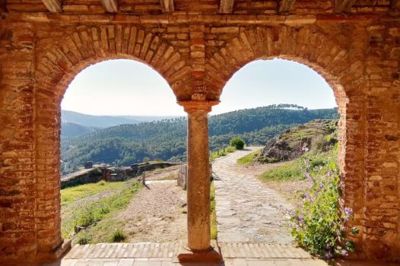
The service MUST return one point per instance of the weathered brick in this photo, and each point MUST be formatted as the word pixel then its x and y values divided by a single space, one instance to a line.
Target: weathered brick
pixel 197 51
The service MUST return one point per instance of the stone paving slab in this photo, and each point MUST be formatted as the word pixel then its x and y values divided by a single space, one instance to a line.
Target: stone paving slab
pixel 164 254
pixel 261 251
pixel 160 254
pixel 247 210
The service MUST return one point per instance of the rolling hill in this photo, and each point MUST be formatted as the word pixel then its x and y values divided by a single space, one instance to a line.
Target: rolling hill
pixel 103 121
pixel 69 129
pixel 166 139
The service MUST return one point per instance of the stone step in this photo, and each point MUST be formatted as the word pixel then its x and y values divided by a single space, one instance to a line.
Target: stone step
pixel 171 250
pixel 261 251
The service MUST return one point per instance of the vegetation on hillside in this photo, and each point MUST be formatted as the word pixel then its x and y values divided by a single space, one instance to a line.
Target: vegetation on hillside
pixel 318 226
pixel 316 136
pixel 222 152
pixel 318 222
pixel 249 158
pixel 86 205
pixel 166 139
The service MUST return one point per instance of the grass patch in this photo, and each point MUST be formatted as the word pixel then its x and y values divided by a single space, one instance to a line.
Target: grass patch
pixel 249 158
pixel 83 239
pixel 213 213
pixel 72 194
pixel 296 170
pixel 118 236
pixel 291 171
pixel 222 152
pixel 93 212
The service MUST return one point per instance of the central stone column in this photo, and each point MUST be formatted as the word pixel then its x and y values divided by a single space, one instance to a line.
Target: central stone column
pixel 198 186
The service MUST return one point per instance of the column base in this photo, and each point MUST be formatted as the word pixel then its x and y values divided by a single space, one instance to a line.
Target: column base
pixel 210 256
pixel 49 258
pixel 56 255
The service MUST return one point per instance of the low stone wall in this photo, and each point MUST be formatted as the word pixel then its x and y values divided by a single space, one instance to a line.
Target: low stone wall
pixel 110 174
pixel 182 176
pixel 85 176
pixel 148 166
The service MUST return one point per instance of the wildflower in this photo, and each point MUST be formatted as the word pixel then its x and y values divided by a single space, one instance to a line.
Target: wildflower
pixel 328 254
pixel 300 219
pixel 347 213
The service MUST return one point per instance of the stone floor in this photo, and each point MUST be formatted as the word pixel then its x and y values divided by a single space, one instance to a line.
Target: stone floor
pixel 160 254
pixel 247 210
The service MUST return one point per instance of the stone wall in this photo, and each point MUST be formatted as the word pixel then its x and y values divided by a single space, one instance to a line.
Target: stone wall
pixel 182 177
pixel 197 53
pixel 111 174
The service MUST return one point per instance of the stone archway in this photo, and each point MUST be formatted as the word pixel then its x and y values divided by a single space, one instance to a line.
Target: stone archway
pixel 56 67
pixel 358 53
pixel 338 64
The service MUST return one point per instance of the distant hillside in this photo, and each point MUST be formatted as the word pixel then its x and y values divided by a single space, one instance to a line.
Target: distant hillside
pixel 103 121
pixel 73 130
pixel 316 136
pixel 166 139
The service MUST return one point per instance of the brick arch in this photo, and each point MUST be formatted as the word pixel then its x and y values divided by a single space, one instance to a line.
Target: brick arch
pixel 65 58
pixel 330 58
pixel 57 63
pixel 307 46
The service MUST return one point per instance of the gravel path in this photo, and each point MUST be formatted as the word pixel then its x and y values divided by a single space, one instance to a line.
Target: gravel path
pixel 157 213
pixel 247 210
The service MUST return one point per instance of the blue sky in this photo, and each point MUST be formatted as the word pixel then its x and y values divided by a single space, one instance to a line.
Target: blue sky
pixel 126 87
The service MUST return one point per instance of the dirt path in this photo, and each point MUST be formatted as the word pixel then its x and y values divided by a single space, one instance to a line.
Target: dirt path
pixel 247 210
pixel 156 214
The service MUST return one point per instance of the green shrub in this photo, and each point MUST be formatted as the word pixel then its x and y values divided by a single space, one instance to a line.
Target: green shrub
pixel 237 142
pixel 317 162
pixel 118 236
pixel 84 240
pixel 318 226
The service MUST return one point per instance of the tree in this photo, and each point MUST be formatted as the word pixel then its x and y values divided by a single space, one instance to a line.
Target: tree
pixel 237 142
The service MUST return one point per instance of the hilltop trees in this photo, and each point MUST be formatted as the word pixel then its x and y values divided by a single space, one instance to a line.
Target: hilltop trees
pixel 166 139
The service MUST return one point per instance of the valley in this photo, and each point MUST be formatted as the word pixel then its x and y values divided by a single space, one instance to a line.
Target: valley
pixel 165 139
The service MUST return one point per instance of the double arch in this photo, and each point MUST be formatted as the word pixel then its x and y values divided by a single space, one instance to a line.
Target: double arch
pixel 59 63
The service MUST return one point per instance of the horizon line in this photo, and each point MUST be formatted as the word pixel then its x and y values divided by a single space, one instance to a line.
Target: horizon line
pixel 176 115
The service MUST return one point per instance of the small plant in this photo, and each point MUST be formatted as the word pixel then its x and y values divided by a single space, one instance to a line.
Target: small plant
pixel 237 142
pixel 318 225
pixel 118 236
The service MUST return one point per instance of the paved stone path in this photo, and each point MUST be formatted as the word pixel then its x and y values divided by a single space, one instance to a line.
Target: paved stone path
pixel 247 210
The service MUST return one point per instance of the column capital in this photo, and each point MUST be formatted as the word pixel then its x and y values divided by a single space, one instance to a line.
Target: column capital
pixel 193 106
